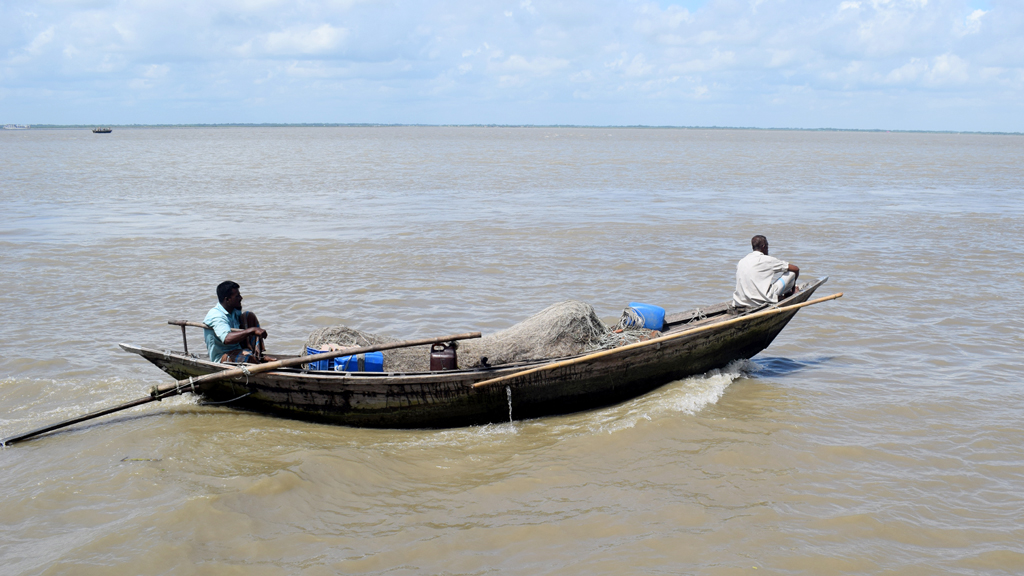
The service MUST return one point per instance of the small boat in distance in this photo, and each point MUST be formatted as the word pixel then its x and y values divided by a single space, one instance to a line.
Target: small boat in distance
pixel 16 126
pixel 102 130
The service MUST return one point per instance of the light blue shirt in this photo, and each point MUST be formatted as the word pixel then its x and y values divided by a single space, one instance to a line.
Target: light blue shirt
pixel 221 323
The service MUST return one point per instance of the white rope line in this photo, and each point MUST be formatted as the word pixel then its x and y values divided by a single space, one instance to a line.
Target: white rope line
pixel 698 315
pixel 226 401
pixel 179 389
pixel 630 329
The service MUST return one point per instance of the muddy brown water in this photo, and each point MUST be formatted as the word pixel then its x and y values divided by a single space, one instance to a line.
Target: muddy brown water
pixel 880 434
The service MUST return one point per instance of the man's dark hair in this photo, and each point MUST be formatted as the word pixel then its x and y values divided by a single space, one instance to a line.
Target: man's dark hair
pixel 759 243
pixel 224 289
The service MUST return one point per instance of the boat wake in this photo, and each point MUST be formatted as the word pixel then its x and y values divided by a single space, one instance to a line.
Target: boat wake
pixel 49 400
pixel 687 396
pixel 693 394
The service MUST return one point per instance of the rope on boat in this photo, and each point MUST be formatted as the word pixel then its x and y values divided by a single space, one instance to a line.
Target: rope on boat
pixel 225 401
pixel 245 370
pixel 629 330
pixel 630 319
pixel 179 388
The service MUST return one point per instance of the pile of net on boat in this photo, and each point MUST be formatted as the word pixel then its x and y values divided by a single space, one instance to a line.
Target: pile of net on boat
pixel 564 329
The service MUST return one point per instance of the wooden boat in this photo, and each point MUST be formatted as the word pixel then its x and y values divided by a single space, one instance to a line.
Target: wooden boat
pixel 692 343
pixel 102 130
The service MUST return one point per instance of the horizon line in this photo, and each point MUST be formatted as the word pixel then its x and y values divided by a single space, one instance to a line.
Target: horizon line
pixel 406 125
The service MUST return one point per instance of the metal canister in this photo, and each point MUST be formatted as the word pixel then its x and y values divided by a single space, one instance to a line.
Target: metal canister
pixel 442 357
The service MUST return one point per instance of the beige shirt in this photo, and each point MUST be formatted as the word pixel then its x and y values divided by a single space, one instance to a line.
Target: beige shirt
pixel 754 276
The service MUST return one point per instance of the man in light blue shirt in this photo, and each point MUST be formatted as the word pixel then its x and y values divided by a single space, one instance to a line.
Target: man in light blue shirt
pixel 233 335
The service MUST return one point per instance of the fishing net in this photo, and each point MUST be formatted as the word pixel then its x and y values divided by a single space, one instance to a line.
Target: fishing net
pixel 564 329
pixel 411 359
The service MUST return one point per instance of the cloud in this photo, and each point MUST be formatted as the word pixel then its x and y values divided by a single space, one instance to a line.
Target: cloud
pixel 609 59
pixel 781 57
pixel 581 76
pixel 316 70
pixel 972 24
pixel 654 20
pixel 155 71
pixel 631 68
pixel 540 66
pixel 638 67
pixel 713 62
pixel 42 39
pixel 948 69
pixel 942 70
pixel 909 72
pixel 34 48
pixel 300 40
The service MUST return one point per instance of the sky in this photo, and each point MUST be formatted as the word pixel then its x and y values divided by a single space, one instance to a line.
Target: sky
pixel 850 64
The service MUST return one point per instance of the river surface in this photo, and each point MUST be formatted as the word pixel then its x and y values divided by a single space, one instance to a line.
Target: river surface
pixel 881 433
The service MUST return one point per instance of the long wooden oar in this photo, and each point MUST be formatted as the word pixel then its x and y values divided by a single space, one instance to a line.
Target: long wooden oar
pixel 192 384
pixel 651 342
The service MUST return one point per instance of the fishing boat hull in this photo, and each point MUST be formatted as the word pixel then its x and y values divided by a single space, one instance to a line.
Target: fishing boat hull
pixel 449 399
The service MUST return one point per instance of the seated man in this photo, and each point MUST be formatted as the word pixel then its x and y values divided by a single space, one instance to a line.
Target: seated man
pixel 245 344
pixel 763 279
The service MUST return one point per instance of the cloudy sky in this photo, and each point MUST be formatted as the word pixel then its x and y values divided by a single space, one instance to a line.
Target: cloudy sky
pixel 889 64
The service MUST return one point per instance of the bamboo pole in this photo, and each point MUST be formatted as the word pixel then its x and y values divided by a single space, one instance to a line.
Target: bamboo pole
pixel 653 341
pixel 192 384
pixel 184 323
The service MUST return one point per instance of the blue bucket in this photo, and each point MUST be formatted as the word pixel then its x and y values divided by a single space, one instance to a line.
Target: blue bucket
pixel 654 316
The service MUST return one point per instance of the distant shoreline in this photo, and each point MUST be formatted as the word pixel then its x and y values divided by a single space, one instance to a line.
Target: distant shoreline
pixel 574 126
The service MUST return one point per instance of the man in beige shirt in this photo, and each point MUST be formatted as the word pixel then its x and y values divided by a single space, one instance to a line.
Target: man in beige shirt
pixel 763 279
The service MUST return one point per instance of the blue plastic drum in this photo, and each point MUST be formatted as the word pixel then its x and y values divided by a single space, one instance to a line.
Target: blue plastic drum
pixel 654 316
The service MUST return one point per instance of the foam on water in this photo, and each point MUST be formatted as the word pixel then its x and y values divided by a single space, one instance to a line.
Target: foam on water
pixel 695 393
pixel 43 401
pixel 687 396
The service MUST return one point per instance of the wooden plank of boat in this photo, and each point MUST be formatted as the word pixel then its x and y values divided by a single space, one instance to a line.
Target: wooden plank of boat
pixel 448 398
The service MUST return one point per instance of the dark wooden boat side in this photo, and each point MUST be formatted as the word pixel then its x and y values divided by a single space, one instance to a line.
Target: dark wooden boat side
pixel 448 399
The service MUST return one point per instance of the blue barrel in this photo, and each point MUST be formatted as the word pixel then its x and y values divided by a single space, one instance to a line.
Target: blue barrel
pixel 654 316
pixel 320 364
pixel 369 362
